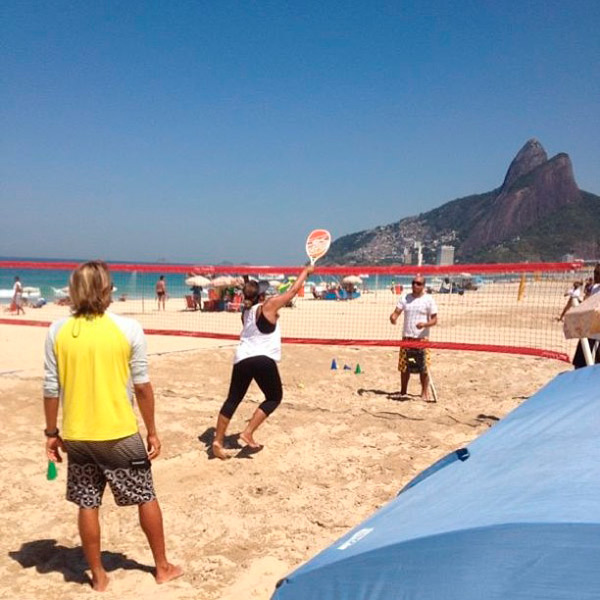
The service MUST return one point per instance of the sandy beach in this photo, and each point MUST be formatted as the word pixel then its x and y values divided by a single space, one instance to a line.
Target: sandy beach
pixel 339 447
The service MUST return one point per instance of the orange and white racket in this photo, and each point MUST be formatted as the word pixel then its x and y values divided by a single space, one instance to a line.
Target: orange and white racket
pixel 317 244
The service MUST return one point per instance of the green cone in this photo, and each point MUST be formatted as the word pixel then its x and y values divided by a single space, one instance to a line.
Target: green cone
pixel 51 473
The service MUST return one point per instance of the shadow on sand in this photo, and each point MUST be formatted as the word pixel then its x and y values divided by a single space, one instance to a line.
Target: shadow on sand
pixel 232 442
pixel 395 396
pixel 47 557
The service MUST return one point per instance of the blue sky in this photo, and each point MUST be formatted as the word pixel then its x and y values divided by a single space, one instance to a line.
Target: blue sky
pixel 208 131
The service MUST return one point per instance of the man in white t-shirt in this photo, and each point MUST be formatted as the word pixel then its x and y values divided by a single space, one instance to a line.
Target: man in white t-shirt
pixel 420 313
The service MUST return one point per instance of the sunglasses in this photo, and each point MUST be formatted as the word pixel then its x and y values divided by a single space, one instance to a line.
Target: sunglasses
pixel 418 283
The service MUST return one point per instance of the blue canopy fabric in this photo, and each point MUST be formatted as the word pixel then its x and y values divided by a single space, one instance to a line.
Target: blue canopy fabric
pixel 516 518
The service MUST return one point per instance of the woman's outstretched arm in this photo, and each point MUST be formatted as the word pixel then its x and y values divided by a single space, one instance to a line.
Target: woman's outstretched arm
pixel 272 305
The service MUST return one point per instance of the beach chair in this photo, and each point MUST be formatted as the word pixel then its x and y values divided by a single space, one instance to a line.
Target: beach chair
pixel 210 305
pixel 235 305
pixel 189 303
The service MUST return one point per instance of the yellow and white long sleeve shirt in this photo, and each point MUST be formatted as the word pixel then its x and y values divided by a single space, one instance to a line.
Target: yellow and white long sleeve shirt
pixel 91 363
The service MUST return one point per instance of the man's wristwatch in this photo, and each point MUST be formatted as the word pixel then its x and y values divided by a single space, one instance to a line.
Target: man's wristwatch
pixel 51 434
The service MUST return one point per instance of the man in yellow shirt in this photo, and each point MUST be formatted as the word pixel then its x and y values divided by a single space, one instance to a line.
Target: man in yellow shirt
pixel 94 360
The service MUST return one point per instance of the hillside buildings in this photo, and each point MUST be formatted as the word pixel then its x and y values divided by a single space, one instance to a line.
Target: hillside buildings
pixel 445 255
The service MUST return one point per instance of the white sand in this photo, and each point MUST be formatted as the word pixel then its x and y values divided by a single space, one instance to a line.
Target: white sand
pixel 339 447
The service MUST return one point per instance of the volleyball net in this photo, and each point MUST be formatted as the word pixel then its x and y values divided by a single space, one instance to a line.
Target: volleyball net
pixel 510 308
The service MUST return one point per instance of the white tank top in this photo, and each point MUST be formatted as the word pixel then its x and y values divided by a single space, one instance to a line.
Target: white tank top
pixel 255 343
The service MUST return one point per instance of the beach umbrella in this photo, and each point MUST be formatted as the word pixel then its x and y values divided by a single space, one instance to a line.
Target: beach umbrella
pixel 584 320
pixel 226 281
pixel 198 280
pixel 353 279
pixel 202 270
pixel 514 516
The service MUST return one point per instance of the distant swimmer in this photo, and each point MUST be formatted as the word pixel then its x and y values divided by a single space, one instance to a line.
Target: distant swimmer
pixel 256 358
pixel 420 313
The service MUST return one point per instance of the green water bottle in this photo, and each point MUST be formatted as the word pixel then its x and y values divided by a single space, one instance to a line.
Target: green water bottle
pixel 51 473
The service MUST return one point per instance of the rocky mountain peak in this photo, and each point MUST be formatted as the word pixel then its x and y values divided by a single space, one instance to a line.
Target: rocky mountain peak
pixel 539 213
pixel 529 157
pixel 536 187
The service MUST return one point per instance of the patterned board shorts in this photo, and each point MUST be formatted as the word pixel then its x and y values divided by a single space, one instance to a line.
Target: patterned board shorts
pixel 413 360
pixel 123 463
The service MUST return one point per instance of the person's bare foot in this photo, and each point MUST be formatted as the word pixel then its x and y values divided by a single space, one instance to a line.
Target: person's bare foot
pixel 168 573
pixel 250 441
pixel 219 451
pixel 100 582
pixel 427 399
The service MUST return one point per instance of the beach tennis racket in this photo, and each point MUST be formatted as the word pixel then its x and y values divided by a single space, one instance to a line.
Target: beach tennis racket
pixel 317 244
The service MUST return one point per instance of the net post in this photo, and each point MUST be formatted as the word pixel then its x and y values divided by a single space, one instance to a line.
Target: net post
pixel 587 352
pixel 585 343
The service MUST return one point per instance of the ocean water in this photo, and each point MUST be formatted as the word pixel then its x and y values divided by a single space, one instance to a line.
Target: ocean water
pixel 134 284
pixel 140 284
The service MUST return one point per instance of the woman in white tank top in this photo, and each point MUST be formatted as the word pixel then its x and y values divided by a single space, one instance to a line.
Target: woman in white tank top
pixel 256 359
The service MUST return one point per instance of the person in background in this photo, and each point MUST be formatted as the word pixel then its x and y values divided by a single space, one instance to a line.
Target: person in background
pixel 197 296
pixel 17 298
pixel 446 286
pixel 594 341
pixel 574 295
pixel 161 292
pixel 93 359
pixel 420 313
pixel 595 289
pixel 256 359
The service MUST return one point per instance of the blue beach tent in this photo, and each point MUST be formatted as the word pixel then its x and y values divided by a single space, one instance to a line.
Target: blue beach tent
pixel 517 517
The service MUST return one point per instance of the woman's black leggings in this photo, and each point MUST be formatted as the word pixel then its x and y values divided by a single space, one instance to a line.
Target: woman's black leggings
pixel 264 371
